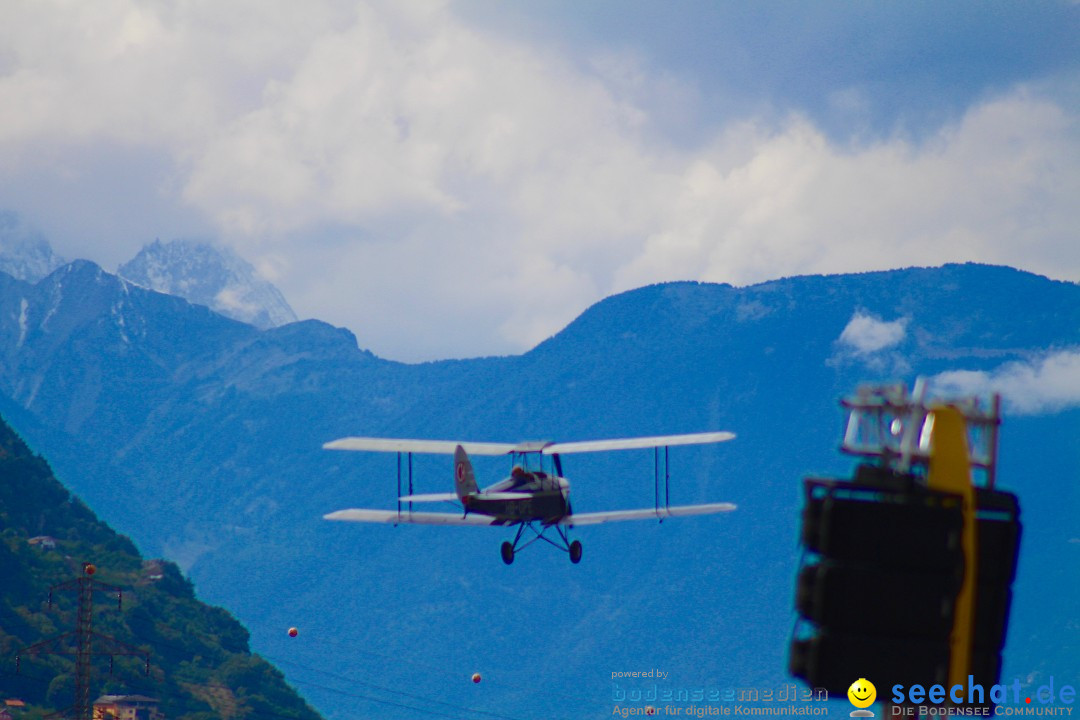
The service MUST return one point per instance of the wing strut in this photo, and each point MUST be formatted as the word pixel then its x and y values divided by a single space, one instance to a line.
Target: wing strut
pixel 399 483
pixel 656 482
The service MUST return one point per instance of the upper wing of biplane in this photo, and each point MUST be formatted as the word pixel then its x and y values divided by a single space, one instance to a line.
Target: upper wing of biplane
pixel 595 518
pixel 447 447
pixel 637 443
pixel 417 518
pixel 401 445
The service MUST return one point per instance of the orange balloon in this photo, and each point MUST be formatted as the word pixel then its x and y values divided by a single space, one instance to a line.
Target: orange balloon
pixel 476 677
pixel 89 569
pixel 293 632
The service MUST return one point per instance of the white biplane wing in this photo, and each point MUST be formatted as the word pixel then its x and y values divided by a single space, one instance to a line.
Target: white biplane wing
pixel 595 518
pixel 637 443
pixel 417 518
pixel 447 447
pixel 434 447
pixel 476 520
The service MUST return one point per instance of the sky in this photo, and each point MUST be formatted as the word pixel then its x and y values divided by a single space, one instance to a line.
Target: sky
pixel 463 178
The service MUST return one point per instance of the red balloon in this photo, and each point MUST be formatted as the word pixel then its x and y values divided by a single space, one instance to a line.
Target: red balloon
pixel 293 632
pixel 90 569
pixel 476 677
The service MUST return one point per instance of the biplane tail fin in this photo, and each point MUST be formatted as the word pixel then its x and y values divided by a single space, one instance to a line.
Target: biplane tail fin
pixel 464 479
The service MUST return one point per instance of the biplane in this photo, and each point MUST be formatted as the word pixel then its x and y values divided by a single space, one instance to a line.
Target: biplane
pixel 534 495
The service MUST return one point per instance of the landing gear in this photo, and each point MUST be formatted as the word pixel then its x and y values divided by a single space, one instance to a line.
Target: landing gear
pixel 508 548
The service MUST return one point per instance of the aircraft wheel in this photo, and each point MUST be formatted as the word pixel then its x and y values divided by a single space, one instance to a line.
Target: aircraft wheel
pixel 507 553
pixel 575 552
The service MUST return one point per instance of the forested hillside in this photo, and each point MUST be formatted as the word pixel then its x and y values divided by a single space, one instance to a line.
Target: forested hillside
pixel 200 664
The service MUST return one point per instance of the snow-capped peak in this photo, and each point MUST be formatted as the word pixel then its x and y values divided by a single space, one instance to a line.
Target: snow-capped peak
pixel 24 252
pixel 216 277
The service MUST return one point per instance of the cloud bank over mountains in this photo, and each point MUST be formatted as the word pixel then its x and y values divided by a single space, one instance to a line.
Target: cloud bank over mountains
pixel 1046 384
pixel 486 186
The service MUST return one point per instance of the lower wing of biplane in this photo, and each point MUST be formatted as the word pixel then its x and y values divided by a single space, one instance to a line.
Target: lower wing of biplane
pixel 394 517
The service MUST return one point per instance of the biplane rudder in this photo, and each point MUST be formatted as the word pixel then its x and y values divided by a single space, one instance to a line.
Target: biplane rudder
pixel 464 479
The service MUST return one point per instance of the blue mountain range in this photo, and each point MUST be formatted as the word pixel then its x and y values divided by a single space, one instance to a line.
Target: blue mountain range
pixel 200 438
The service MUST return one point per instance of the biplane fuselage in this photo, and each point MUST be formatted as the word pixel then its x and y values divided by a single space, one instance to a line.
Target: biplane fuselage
pixel 548 501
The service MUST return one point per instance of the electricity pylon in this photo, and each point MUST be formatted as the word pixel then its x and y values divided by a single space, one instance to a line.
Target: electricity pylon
pixel 84 637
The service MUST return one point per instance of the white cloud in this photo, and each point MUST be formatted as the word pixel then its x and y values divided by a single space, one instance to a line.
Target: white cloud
pixel 1045 385
pixel 229 298
pixel 447 191
pixel 866 334
pixel 417 114
pixel 761 203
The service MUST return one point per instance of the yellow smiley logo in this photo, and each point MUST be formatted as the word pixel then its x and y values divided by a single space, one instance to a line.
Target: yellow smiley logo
pixel 862 693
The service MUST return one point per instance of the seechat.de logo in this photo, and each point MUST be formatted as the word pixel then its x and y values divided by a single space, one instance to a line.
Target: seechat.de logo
pixel 976 694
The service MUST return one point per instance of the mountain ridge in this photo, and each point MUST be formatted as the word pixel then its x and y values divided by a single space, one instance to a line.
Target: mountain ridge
pixel 25 253
pixel 200 271
pixel 205 274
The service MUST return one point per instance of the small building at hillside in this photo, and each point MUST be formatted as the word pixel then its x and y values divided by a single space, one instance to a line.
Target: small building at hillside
pixel 11 703
pixel 126 707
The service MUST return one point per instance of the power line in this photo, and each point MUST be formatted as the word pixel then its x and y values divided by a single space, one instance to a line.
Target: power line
pixel 378 700
pixel 277 661
pixel 158 643
pixel 352 647
pixel 389 690
pixel 374 686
